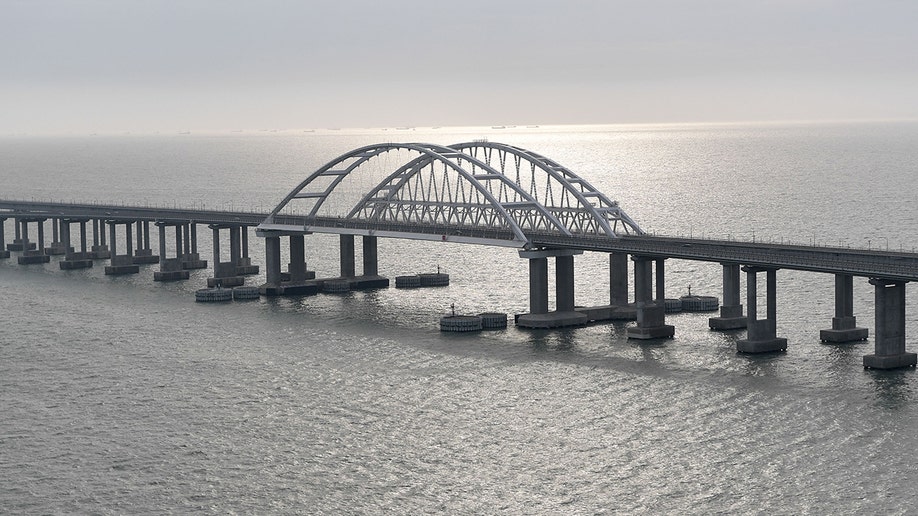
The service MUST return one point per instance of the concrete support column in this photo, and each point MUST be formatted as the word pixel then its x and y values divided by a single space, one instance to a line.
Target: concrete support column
pixel 234 244
pixel 17 229
pixel 370 256
pixel 348 265
pixel 297 266
pixel 41 234
pixel 84 238
pixel 129 238
pixel 23 235
pixel 538 285
pixel 564 283
pixel 661 282
pixel 216 236
pixel 651 316
pixel 162 246
pixel 618 279
pixel 179 251
pixel 190 258
pixel 4 253
pixel 143 253
pixel 225 273
pixel 761 333
pixel 844 324
pixel 194 238
pixel 121 264
pixel 244 232
pixel 111 234
pixel 273 260
pixel 65 235
pixel 643 280
pixel 564 314
pixel 889 336
pixel 731 311
pixel 73 259
pixel 31 256
pixel 99 248
pixel 57 246
pixel 186 234
pixel 170 269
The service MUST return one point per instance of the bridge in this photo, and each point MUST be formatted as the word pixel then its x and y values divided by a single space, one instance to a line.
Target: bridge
pixel 482 193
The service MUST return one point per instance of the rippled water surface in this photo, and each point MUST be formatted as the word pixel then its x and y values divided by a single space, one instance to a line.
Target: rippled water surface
pixel 121 395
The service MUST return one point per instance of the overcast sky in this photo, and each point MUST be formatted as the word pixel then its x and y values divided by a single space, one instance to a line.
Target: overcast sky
pixel 122 65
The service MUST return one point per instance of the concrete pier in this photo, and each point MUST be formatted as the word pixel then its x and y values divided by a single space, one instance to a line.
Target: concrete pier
pixel 298 280
pixel 844 324
pixel 225 274
pixel 889 336
pixel 371 278
pixel 121 264
pixel 244 265
pixel 346 255
pixel 731 311
pixel 651 314
pixel 4 253
pixel 18 244
pixel 32 253
pixel 192 259
pixel 144 253
pixel 761 333
pixel 81 259
pixel 564 314
pixel 170 269
pixel 618 279
pixel 57 246
pixel 99 249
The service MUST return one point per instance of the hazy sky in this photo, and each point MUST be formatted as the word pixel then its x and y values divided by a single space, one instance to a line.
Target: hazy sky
pixel 123 65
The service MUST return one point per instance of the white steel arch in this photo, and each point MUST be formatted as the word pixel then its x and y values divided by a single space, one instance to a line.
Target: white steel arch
pixel 467 191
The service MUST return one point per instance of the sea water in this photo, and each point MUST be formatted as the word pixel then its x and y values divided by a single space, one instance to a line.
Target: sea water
pixel 121 395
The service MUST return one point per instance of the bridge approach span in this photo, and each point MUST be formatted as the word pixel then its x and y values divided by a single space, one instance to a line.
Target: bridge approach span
pixel 873 263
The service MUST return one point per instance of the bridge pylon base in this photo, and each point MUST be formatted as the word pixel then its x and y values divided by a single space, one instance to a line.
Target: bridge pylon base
pixel 890 361
pixel 100 252
pixel 761 346
pixel 33 257
pixel 227 282
pixel 841 336
pixel 119 270
pixel 844 329
pixel 310 288
pixel 146 260
pixel 19 246
pixel 77 263
pixel 731 318
pixel 171 275
pixel 4 254
pixel 665 331
pixel 57 248
pixel 727 323
pixel 552 320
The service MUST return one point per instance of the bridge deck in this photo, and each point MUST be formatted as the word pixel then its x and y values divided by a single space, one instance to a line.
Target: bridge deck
pixel 885 264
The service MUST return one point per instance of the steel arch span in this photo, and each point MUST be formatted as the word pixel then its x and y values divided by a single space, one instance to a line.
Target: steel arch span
pixel 478 192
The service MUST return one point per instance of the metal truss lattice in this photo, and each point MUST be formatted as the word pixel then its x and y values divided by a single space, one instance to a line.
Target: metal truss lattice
pixel 407 189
